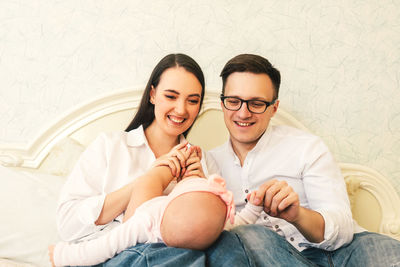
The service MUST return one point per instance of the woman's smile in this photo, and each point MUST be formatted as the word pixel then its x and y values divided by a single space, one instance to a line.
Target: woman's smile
pixel 176 119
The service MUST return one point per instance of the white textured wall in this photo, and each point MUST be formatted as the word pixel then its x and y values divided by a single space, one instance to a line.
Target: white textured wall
pixel 340 61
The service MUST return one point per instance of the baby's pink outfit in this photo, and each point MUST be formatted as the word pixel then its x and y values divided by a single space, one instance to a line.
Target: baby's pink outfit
pixel 142 227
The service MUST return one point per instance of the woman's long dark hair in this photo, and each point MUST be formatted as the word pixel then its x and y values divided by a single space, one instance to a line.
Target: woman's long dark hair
pixel 145 114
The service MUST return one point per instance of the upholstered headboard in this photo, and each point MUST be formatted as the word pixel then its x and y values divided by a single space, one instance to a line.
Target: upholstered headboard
pixel 375 203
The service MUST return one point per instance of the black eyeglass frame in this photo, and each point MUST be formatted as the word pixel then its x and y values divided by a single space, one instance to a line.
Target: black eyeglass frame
pixel 267 104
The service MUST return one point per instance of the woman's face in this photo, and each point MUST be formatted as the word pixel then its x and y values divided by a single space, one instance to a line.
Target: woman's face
pixel 176 101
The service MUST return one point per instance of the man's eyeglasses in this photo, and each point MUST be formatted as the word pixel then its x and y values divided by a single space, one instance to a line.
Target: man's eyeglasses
pixel 254 106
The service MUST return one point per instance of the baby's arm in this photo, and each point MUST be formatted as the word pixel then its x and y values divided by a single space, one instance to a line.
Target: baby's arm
pixel 248 215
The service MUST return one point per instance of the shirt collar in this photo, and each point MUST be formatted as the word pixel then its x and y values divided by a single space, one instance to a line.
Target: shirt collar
pixel 264 139
pixel 232 152
pixel 136 137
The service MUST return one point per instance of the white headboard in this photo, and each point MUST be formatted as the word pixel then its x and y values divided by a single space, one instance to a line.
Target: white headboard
pixel 375 203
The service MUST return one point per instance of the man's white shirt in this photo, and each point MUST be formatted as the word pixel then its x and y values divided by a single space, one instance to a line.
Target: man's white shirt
pixel 305 163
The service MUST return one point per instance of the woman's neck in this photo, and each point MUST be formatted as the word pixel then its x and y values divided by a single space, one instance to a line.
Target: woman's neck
pixel 159 142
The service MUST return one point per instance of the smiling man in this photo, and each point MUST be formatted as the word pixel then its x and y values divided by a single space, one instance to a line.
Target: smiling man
pixel 307 218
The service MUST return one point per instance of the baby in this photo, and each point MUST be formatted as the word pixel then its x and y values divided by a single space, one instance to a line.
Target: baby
pixel 192 216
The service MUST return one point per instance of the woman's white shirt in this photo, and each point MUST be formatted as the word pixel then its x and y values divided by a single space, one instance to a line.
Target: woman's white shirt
pixel 110 162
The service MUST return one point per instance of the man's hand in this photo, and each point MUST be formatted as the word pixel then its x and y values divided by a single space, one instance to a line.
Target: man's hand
pixel 280 200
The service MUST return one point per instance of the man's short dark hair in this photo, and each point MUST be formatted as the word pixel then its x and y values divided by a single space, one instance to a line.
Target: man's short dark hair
pixel 254 64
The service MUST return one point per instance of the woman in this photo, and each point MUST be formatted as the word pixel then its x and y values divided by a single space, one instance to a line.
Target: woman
pixel 99 188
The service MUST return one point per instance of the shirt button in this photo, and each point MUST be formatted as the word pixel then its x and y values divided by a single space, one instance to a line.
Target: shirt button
pixel 246 191
pixel 276 226
pixel 265 217
pixel 292 239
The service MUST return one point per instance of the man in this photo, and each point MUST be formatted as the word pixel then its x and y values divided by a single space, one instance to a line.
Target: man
pixel 307 218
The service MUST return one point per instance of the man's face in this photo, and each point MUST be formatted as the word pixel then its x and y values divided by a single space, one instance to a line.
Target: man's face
pixel 246 128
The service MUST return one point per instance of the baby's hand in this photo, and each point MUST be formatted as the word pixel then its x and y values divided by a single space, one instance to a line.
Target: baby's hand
pixel 51 254
pixel 175 160
pixel 193 163
pixel 196 150
pixel 253 199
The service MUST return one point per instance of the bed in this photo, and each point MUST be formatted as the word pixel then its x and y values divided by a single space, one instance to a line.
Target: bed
pixel 31 176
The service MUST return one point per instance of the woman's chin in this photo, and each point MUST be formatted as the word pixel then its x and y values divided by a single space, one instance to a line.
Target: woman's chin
pixel 176 131
pixel 176 128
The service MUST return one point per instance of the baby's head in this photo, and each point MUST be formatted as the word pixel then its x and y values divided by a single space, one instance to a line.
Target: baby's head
pixel 193 220
pixel 196 215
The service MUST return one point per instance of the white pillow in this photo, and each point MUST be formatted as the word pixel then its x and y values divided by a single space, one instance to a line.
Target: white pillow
pixel 28 222
pixel 62 157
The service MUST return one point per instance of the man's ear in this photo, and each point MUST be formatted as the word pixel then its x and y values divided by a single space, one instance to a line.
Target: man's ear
pixel 152 94
pixel 275 106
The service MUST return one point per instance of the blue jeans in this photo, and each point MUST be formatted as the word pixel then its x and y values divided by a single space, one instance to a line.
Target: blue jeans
pixel 226 251
pixel 267 248
pixel 270 249
pixel 367 250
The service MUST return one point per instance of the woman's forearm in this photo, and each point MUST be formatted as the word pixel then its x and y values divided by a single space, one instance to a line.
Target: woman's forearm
pixel 134 194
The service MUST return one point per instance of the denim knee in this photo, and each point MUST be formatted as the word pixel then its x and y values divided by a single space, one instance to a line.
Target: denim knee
pixel 267 248
pixel 258 234
pixel 369 249
pixel 228 250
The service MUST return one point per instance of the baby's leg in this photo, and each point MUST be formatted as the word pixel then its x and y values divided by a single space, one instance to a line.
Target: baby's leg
pixel 148 186
pixel 106 246
pixel 193 220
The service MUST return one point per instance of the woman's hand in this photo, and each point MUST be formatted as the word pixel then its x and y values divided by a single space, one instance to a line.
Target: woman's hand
pixel 193 163
pixel 174 159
